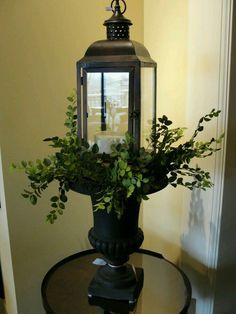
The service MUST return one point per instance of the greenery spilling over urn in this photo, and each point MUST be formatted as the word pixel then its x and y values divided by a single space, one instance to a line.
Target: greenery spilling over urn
pixel 124 173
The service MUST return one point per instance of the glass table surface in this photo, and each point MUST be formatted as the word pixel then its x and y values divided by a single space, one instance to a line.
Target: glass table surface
pixel 166 288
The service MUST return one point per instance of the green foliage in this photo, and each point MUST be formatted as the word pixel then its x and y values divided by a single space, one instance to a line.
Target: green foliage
pixel 123 174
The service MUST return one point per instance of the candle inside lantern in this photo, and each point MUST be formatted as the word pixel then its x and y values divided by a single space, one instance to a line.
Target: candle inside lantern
pixel 105 140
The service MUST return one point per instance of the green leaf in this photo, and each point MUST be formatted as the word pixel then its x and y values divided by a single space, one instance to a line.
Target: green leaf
pixel 33 199
pixel 198 177
pixel 109 208
pixel 168 122
pixel 130 174
pixel 54 205
pixel 47 162
pixel 25 195
pixel 63 198
pixel 61 205
pixel 33 185
pixel 13 166
pixel 126 182
pixel 24 163
pixel 55 138
pixel 107 199
pixel 122 172
pixel 180 181
pixel 95 149
pixel 28 192
pixel 70 98
pixel 50 219
pixel 100 206
pixel 122 164
pixel 131 188
pixel 140 176
pixel 200 128
pixel 67 188
pixel 54 199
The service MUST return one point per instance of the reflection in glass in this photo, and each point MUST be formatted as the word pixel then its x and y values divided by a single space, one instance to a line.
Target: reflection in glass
pixel 107 107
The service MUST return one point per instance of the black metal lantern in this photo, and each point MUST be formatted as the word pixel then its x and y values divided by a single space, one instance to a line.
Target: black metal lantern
pixel 116 87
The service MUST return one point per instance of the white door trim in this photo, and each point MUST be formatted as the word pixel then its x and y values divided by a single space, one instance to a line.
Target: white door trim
pixel 223 105
pixel 5 252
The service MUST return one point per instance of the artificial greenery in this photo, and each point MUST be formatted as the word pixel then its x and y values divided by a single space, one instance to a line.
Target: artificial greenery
pixel 125 173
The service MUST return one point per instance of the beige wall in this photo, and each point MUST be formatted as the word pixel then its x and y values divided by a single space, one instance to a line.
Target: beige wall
pixel 40 44
pixel 189 39
pixel 165 35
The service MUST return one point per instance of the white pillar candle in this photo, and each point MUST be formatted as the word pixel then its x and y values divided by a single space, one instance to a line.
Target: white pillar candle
pixel 104 141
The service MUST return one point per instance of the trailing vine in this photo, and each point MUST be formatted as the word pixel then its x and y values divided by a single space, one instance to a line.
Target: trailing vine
pixel 123 174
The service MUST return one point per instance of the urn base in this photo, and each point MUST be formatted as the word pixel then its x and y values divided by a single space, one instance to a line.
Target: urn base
pixel 117 283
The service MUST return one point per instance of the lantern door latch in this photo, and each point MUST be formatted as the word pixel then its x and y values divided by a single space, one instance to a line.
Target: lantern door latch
pixel 81 80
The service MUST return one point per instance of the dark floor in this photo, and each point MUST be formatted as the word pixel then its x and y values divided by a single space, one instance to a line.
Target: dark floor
pixel 2 308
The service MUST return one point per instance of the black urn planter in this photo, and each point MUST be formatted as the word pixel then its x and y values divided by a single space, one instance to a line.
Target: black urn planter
pixel 116 239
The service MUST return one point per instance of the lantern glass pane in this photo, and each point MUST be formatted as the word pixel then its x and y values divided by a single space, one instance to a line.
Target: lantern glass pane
pixel 148 87
pixel 107 108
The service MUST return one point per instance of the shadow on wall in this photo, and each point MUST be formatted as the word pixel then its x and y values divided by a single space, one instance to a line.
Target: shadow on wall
pixel 162 246
pixel 194 254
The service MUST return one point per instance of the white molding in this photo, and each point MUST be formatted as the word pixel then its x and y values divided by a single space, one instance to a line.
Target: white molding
pixel 5 252
pixel 223 104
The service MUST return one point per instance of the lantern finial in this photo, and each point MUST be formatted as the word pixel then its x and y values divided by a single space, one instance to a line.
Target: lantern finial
pixel 117 7
pixel 117 25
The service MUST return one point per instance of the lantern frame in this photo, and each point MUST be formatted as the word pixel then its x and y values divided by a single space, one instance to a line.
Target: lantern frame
pixel 116 55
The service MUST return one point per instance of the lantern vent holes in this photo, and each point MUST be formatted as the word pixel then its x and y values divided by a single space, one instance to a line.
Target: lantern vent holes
pixel 117 31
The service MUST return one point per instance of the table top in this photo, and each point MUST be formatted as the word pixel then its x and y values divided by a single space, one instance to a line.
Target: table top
pixel 166 288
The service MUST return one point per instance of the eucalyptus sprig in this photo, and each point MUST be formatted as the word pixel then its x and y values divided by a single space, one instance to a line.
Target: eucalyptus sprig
pixel 124 174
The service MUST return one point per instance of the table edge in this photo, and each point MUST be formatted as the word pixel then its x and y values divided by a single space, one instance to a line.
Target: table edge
pixel 92 251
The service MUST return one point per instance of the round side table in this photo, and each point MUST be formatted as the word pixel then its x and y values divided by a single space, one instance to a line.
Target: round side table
pixel 166 288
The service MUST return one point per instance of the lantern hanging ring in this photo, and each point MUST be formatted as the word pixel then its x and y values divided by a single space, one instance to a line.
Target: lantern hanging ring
pixel 118 4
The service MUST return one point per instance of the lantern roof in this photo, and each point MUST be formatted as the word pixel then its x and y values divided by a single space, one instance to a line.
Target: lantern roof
pixel 120 51
pixel 117 48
